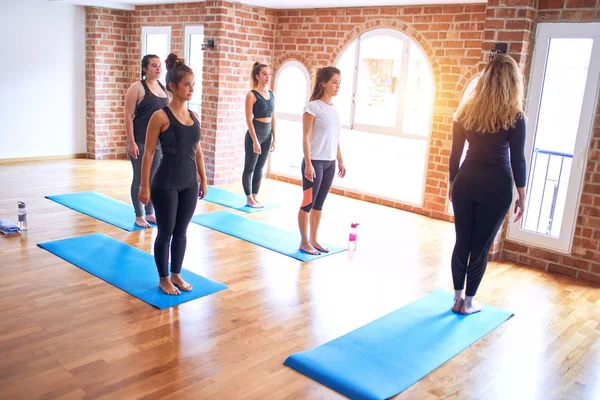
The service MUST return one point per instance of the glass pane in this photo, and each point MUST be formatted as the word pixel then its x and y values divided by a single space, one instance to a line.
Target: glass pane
pixel 379 69
pixel 556 132
pixel 287 157
pixel 373 161
pixel 195 60
pixel 343 100
pixel 157 43
pixel 418 103
pixel 291 91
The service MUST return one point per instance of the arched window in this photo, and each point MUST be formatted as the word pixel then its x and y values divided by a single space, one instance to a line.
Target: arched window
pixel 292 85
pixel 385 104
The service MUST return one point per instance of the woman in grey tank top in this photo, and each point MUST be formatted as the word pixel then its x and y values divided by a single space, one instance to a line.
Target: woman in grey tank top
pixel 142 99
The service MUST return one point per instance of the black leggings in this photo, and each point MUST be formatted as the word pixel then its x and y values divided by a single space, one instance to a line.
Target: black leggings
pixel 174 210
pixel 137 179
pixel 316 191
pixel 254 164
pixel 481 197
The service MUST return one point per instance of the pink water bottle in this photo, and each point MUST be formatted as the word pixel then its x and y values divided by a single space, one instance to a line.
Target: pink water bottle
pixel 352 237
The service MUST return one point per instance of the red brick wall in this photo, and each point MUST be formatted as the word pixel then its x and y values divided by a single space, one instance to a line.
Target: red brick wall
pixel 451 37
pixel 584 260
pixel 107 78
pixel 243 34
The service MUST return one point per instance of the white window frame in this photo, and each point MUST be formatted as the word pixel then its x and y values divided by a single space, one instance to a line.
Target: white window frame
pixel 287 116
pixel 188 31
pixel 288 64
pixel 545 32
pixel 407 41
pixel 154 30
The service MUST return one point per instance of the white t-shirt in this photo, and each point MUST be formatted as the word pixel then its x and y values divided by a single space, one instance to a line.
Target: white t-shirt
pixel 326 130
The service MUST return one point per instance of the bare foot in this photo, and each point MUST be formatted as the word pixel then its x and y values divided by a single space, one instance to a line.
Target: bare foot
pixel 308 248
pixel 317 246
pixel 470 306
pixel 180 283
pixel 458 303
pixel 151 218
pixel 257 202
pixel 459 299
pixel 250 202
pixel 141 222
pixel 167 287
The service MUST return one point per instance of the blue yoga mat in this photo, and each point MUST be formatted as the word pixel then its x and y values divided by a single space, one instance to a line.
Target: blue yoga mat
pixel 128 268
pixel 100 207
pixel 234 200
pixel 387 356
pixel 259 233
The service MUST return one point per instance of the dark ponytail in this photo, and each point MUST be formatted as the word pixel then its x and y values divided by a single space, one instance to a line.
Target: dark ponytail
pixel 256 68
pixel 146 61
pixel 176 69
pixel 322 75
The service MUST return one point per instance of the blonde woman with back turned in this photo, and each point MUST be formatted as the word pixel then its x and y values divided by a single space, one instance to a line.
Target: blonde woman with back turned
pixel 493 122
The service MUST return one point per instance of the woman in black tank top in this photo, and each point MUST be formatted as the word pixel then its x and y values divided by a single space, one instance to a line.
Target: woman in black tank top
pixel 260 136
pixel 174 189
pixel 142 99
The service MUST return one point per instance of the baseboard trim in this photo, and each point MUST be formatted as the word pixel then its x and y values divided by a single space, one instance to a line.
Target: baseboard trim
pixel 9 161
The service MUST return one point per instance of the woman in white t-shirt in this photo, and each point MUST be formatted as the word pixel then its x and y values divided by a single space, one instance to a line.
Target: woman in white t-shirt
pixel 321 133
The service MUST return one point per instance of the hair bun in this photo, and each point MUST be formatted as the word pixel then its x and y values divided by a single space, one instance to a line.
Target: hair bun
pixel 173 60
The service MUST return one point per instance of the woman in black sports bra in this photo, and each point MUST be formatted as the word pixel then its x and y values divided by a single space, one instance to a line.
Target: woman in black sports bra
pixel 142 99
pixel 260 136
pixel 174 189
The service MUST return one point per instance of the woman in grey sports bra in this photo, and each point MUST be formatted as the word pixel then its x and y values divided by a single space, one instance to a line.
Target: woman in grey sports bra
pixel 142 99
pixel 260 136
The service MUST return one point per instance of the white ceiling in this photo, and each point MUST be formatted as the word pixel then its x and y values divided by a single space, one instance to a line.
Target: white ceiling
pixel 276 4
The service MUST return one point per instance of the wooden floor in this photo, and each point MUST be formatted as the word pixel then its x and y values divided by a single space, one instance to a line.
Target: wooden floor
pixel 65 334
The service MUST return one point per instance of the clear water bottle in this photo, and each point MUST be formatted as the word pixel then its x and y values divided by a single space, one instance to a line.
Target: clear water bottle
pixel 22 215
pixel 352 236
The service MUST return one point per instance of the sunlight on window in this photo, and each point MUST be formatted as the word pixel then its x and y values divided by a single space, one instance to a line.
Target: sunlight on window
pixel 158 44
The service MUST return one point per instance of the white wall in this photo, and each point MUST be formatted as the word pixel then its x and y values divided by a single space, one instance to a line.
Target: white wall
pixel 42 79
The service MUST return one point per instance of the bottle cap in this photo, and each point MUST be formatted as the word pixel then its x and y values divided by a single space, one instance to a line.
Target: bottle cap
pixel 21 204
pixel 354 225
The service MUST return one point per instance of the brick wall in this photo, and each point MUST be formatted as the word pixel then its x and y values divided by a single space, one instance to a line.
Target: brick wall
pixel 243 35
pixel 107 78
pixel 451 37
pixel 584 260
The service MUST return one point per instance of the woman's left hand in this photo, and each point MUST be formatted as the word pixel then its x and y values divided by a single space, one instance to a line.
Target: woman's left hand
pixel 273 145
pixel 342 172
pixel 202 190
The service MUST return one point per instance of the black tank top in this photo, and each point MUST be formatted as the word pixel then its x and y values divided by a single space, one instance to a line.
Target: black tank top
pixel 263 108
pixel 144 110
pixel 177 169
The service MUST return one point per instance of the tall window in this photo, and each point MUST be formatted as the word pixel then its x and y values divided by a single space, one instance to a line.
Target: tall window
pixel 292 85
pixel 562 93
pixel 194 37
pixel 157 40
pixel 385 104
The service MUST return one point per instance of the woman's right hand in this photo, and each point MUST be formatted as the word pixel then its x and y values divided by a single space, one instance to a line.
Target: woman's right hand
pixel 144 195
pixel 519 207
pixel 309 172
pixel 133 150
pixel 256 147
